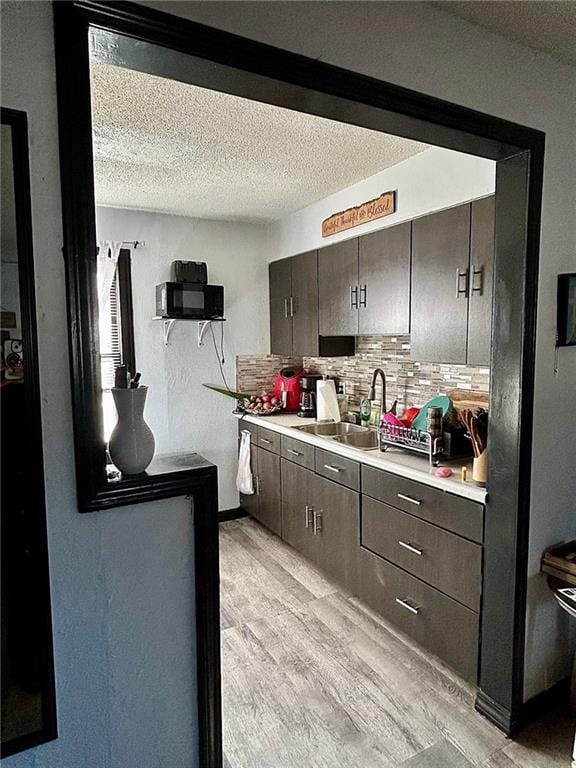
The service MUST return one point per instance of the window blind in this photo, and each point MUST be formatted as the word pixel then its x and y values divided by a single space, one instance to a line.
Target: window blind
pixel 111 336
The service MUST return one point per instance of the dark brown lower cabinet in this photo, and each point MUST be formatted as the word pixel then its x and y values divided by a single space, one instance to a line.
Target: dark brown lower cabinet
pixel 321 520
pixel 268 508
pixel 435 621
pixel 298 486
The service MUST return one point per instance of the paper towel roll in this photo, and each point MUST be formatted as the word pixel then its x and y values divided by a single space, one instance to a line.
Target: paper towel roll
pixel 326 401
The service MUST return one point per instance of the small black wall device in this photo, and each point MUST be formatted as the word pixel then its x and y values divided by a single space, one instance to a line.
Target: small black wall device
pixel 189 272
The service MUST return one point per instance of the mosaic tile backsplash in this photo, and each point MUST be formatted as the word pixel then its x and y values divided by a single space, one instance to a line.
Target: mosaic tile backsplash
pixel 408 382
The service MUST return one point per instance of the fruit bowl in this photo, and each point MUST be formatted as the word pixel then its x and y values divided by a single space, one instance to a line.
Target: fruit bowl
pixel 259 411
pixel 259 405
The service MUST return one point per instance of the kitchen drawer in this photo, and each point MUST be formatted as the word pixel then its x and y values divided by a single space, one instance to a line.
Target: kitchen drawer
pixel 435 621
pixel 269 439
pixel 336 468
pixel 444 509
pixel 252 428
pixel 442 559
pixel 297 451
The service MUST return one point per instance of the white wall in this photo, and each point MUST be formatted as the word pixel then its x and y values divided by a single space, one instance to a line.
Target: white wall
pixel 122 580
pixel 418 46
pixel 182 413
pixel 97 590
pixel 428 182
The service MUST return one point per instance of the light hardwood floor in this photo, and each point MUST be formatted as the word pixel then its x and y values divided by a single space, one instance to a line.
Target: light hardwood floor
pixel 314 679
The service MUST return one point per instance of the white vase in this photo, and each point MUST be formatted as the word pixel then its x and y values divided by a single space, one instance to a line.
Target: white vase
pixel 131 443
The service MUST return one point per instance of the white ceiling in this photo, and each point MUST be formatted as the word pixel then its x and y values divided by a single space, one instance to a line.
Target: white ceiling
pixel 545 25
pixel 167 146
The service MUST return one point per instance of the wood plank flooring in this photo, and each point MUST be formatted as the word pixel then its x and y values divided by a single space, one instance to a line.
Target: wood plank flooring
pixel 314 679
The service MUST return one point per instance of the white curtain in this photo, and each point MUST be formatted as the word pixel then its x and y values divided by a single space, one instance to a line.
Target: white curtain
pixel 108 253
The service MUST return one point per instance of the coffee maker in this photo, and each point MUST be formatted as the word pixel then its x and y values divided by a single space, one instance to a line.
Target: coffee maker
pixel 308 395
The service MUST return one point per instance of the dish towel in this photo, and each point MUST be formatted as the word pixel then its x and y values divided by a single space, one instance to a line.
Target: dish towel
pixel 244 481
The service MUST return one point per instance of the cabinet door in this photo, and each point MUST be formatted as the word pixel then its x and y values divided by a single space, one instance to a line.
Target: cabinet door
pixel 304 304
pixel 439 305
pixel 384 293
pixel 336 529
pixel 280 280
pixel 481 277
pixel 250 503
pixel 338 289
pixel 297 508
pixel 269 502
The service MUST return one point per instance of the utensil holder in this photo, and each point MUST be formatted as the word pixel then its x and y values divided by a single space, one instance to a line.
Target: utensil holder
pixel 480 468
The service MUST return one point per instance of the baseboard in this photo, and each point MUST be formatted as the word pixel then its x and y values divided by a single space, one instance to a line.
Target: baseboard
pixel 231 514
pixel 528 712
pixel 495 712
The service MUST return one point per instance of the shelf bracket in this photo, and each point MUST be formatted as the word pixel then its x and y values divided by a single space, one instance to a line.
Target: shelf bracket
pixel 167 325
pixel 202 328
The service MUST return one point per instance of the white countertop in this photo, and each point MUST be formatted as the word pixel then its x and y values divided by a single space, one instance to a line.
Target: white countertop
pixel 394 460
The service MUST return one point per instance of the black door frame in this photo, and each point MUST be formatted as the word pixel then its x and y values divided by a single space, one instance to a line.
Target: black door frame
pixel 229 63
pixel 33 495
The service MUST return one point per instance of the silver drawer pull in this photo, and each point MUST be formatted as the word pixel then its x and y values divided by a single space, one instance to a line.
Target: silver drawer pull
pixel 331 468
pixel 317 523
pixel 294 453
pixel 411 547
pixel 412 608
pixel 409 498
pixel 265 440
pixel 309 512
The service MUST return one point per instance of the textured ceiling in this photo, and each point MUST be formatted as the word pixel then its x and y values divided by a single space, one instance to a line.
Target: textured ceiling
pixel 167 146
pixel 545 25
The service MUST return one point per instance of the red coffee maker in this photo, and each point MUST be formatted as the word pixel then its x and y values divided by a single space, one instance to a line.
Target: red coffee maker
pixel 287 388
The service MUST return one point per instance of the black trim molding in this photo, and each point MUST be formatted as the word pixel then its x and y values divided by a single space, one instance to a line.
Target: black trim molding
pixel 228 63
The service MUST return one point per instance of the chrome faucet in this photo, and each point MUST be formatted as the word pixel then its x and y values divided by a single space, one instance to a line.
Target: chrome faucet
pixel 372 392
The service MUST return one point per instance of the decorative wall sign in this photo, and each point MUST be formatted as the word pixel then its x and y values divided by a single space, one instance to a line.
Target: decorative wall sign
pixel 353 217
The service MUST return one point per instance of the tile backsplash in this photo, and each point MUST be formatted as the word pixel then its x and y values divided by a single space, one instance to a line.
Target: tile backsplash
pixel 409 382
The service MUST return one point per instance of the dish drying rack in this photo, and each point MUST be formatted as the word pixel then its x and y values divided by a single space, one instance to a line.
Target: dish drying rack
pixel 415 440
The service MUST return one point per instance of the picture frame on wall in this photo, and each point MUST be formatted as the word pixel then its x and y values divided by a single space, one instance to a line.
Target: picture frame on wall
pixel 566 323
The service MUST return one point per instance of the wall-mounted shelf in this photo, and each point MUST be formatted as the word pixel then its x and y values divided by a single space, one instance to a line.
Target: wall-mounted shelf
pixel 203 325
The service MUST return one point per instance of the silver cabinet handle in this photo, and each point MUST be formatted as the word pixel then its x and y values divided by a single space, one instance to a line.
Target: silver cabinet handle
pixel 308 511
pixel 409 498
pixel 412 608
pixel 257 481
pixel 293 452
pixel 331 468
pixel 291 306
pixel 363 290
pixel 353 297
pixel 317 523
pixel 477 281
pixel 286 308
pixel 461 274
pixel 265 440
pixel 411 547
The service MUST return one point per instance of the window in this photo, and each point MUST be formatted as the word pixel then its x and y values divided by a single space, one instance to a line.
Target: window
pixel 116 336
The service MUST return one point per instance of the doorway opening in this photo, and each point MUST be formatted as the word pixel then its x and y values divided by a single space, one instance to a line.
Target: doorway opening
pixel 207 59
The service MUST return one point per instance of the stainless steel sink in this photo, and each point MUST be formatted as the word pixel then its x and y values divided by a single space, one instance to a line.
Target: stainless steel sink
pixel 333 429
pixel 366 441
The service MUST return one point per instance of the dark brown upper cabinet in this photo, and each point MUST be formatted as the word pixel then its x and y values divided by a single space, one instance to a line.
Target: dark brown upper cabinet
pixel 481 279
pixel 364 284
pixel 452 257
pixel 294 311
pixel 304 304
pixel 294 305
pixel 440 257
pixel 338 288
pixel 384 281
pixel 280 276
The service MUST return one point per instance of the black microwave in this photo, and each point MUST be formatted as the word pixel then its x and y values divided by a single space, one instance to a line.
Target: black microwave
pixel 195 301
